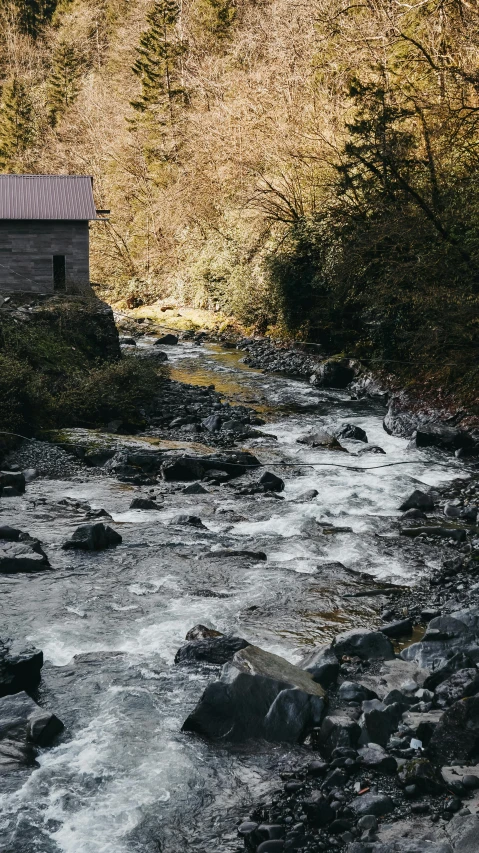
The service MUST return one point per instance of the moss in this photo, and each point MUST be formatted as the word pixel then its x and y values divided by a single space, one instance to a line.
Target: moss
pixel 60 366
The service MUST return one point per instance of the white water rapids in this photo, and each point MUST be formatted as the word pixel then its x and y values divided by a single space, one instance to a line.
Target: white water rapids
pixel 123 779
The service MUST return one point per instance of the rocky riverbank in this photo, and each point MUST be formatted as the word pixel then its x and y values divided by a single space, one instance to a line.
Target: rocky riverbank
pixel 196 521
pixel 392 751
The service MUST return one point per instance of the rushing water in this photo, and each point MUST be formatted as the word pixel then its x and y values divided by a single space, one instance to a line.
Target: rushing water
pixel 123 779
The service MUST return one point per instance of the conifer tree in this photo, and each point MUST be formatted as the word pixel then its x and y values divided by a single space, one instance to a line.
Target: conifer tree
pixel 16 123
pixel 158 63
pixel 34 13
pixel 63 85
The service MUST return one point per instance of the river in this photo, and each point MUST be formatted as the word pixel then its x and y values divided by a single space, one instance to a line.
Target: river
pixel 123 778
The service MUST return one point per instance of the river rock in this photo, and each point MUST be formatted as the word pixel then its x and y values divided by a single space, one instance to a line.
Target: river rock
pixel 317 809
pixel 371 448
pixel 23 556
pixel 168 340
pixel 260 695
pixel 182 468
pixel 464 682
pixel 374 804
pixel 216 650
pixel 337 730
pixel 372 756
pixel 14 481
pixel 367 645
pixel 320 439
pixel 463 831
pixel 349 691
pixel 191 520
pixel 212 423
pixel 309 495
pixel 144 503
pixel 353 432
pixel 379 721
pixel 230 552
pixel 10 534
pixel 21 719
pixel 456 737
pixel 395 676
pixel 445 636
pixel 201 632
pixel 271 482
pixel 20 667
pixel 333 373
pixel 422 774
pixel 194 489
pixel 401 628
pixel 418 500
pixel 415 514
pixel 323 666
pixel 438 435
pixel 93 537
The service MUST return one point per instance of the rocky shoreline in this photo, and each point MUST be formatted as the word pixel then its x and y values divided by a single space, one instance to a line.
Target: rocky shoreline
pixel 385 721
pixel 393 765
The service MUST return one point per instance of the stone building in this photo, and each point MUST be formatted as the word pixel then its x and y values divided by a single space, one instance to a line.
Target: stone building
pixel 44 233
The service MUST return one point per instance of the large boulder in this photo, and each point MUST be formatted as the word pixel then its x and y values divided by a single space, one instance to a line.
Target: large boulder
pixel 352 432
pixel 456 737
pixel 182 468
pixel 260 695
pixel 26 555
pixel 23 726
pixel 445 636
pixel 395 677
pixel 93 537
pixel 320 439
pixel 166 340
pixel 337 730
pixel 367 645
pixel 418 500
pixel 216 650
pixel 12 483
pixel 334 373
pixel 20 667
pixel 372 804
pixel 447 438
pixel 379 721
pixel 323 666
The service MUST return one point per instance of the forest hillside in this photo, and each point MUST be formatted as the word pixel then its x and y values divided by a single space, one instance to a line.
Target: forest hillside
pixel 308 167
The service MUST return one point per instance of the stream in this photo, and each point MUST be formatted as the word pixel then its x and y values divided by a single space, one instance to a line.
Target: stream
pixel 123 778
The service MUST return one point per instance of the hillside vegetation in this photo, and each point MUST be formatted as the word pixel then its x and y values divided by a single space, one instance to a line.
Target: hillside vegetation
pixel 309 167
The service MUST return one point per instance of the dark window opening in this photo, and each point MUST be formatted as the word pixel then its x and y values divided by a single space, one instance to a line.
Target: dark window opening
pixel 59 270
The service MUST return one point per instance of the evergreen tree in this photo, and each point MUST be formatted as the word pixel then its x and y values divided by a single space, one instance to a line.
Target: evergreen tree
pixel 158 63
pixel 34 13
pixel 216 17
pixel 16 123
pixel 63 85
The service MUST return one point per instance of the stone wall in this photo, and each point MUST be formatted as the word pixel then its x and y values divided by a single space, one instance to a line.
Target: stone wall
pixel 26 255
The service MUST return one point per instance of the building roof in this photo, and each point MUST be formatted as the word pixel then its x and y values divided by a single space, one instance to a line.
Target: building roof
pixel 47 197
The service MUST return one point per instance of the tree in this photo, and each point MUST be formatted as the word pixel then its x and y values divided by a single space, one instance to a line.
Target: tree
pixel 158 63
pixel 35 13
pixel 215 17
pixel 16 123
pixel 63 85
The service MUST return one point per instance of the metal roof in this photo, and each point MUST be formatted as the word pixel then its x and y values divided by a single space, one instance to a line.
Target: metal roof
pixel 47 197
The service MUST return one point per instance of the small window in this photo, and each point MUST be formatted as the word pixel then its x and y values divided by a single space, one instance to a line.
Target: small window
pixel 59 272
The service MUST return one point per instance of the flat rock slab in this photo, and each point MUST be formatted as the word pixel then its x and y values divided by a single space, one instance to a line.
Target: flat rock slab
pixel 396 674
pixel 260 695
pixel 255 661
pixel 26 556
